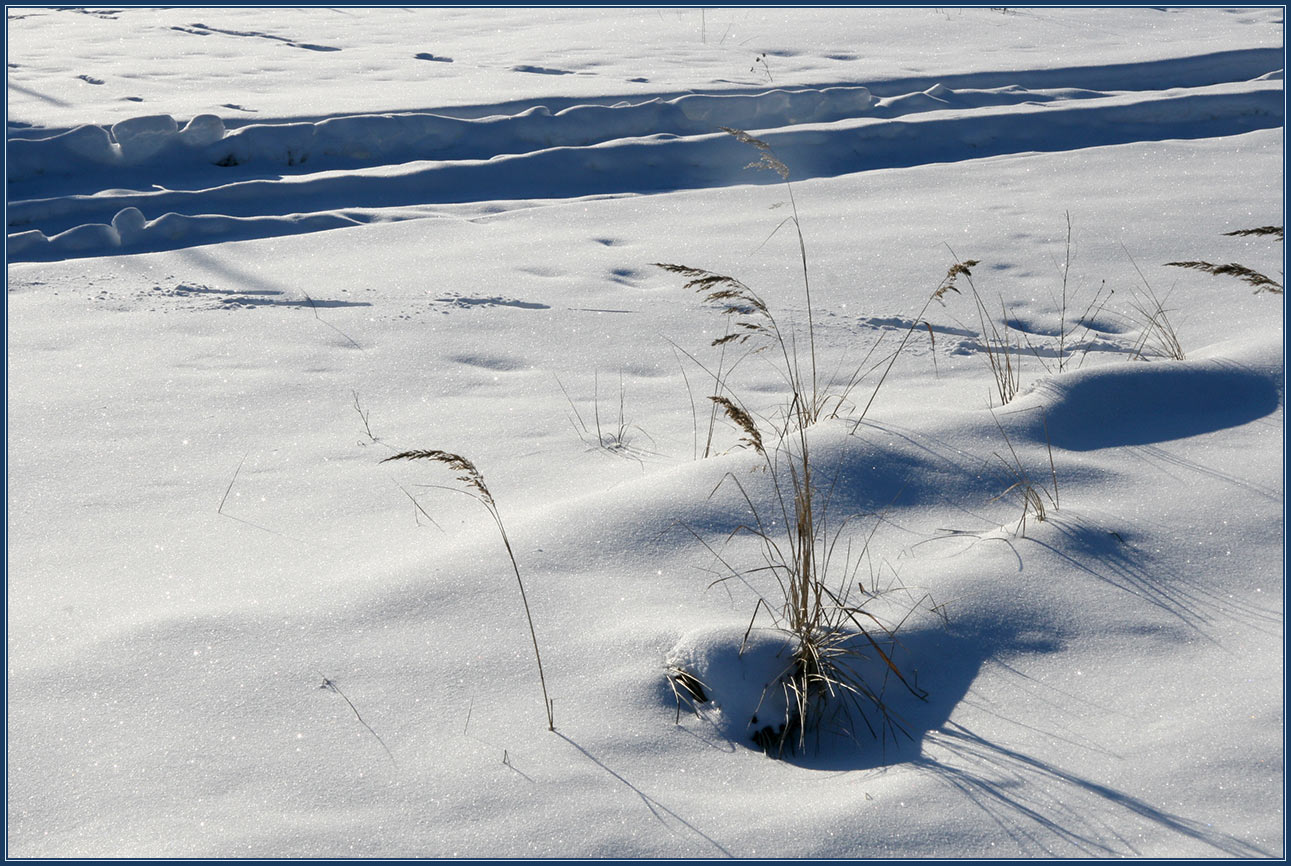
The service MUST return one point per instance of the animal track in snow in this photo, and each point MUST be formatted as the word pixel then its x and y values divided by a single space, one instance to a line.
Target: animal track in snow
pixel 487 362
pixel 455 300
pixel 540 70
pixel 204 30
pixel 203 297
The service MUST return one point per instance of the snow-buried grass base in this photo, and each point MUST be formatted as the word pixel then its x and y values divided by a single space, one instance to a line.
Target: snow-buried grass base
pixel 748 684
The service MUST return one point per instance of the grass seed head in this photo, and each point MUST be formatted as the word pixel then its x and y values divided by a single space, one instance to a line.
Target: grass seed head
pixel 1262 230
pixel 469 475
pixel 768 161
pixel 1241 272
pixel 744 421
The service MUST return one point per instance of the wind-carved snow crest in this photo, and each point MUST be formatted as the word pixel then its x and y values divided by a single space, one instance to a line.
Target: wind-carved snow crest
pixel 347 167
pixel 423 135
pixel 131 142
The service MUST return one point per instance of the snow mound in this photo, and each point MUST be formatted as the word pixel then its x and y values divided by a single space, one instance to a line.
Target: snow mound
pixel 737 681
pixel 1141 404
pixel 141 137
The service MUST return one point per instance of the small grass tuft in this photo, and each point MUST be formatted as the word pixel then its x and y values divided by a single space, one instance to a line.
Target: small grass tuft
pixel 1031 494
pixel 1003 351
pixel 617 436
pixel 1158 337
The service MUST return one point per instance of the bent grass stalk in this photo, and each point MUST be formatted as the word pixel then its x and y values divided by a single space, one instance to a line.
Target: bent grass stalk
pixel 473 485
pixel 1261 282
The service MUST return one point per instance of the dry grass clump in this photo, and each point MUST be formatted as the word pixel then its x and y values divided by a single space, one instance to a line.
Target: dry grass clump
pixel 1158 337
pixel 472 484
pixel 1003 350
pixel 830 630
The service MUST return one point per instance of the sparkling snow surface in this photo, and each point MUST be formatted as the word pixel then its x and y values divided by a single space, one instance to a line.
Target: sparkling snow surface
pixel 254 252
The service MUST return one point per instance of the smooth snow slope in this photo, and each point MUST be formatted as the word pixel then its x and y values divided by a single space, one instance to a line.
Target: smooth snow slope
pixel 234 631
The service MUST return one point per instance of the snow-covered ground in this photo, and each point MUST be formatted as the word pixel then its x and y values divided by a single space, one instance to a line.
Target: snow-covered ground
pixel 252 253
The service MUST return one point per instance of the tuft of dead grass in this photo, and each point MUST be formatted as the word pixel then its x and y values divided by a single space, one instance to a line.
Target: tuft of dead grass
pixel 1158 336
pixel 824 614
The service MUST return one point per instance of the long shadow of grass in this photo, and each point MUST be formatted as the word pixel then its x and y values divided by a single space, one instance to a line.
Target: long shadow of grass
pixel 1042 806
pixel 657 809
pixel 1108 556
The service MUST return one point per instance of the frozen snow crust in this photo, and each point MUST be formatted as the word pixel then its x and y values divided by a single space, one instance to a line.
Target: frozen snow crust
pixel 234 631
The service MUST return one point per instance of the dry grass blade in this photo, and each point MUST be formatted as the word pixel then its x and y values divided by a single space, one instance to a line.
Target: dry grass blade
pixel 743 136
pixel 331 686
pixel 1261 282
pixel 731 298
pixel 1262 230
pixel 768 161
pixel 1241 272
pixel 948 282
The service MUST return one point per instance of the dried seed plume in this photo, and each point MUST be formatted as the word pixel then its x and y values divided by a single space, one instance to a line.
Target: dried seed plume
pixel 744 421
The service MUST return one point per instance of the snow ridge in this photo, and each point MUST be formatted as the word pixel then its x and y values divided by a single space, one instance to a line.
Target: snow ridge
pixel 81 192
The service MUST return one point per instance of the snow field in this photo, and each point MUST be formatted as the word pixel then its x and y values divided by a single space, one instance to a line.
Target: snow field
pixel 201 530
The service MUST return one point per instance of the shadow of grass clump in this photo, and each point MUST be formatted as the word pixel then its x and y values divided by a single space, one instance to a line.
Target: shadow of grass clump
pixel 739 684
pixel 1046 807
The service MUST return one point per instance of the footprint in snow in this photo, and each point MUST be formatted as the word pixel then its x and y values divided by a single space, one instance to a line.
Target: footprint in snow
pixel 426 55
pixel 625 276
pixel 459 301
pixel 540 70
pixel 491 362
pixel 88 79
